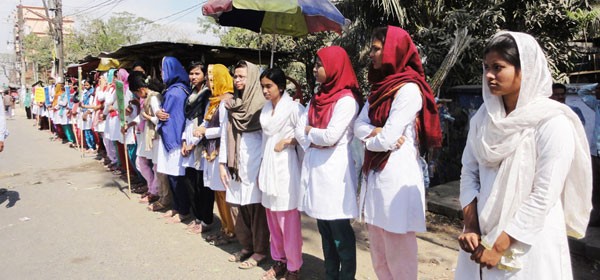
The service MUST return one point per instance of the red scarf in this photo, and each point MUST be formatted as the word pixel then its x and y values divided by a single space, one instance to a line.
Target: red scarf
pixel 341 82
pixel 401 64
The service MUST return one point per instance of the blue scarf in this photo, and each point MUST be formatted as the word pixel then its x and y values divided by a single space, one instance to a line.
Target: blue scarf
pixel 177 80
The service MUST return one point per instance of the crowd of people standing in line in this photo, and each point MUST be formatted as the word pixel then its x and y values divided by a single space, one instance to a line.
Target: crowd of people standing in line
pixel 210 136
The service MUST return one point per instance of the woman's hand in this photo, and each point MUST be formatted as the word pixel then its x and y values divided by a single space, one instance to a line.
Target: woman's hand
pixel 281 145
pixel 200 131
pixel 183 149
pixel 307 129
pixel 469 241
pixel 162 115
pixel 486 258
pixel 374 132
pixel 128 111
pixel 224 175
pixel 491 258
pixel 146 116
pixel 400 141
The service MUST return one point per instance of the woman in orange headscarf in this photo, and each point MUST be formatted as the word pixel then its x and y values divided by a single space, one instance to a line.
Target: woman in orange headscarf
pixel 220 83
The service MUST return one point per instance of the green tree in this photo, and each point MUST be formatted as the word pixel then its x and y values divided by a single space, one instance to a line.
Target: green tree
pixel 434 23
pixel 98 35
pixel 94 37
pixel 300 51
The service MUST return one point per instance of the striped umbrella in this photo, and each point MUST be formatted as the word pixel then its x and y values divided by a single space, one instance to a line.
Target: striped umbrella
pixel 286 17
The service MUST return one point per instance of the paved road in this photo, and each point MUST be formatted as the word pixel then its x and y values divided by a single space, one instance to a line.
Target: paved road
pixel 65 217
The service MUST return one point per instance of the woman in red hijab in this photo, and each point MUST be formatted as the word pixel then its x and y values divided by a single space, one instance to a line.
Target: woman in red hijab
pixel 328 178
pixel 400 108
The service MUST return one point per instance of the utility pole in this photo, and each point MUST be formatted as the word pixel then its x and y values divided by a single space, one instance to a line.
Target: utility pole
pixel 55 26
pixel 21 37
pixel 58 26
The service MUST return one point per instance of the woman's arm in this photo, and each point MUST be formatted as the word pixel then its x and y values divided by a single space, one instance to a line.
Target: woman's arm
pixel 555 151
pixel 469 190
pixel 344 113
pixel 362 125
pixel 223 172
pixel 407 103
pixel 299 134
pixel 215 132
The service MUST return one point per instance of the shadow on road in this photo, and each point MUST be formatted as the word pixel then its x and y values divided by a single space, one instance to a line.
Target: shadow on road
pixel 122 188
pixel 312 267
pixel 11 196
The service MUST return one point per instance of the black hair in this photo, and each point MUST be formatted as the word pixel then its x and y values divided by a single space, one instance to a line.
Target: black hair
pixel 139 80
pixel 506 46
pixel 240 64
pixel 139 63
pixel 276 75
pixel 197 64
pixel 379 33
pixel 559 86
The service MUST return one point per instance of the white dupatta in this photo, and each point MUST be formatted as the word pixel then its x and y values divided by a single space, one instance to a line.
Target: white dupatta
pixel 275 128
pixel 508 142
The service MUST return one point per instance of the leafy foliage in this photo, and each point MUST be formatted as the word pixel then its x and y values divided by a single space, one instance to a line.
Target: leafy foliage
pixel 432 25
pixel 301 51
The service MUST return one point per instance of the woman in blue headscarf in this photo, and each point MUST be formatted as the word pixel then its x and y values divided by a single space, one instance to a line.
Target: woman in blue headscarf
pixel 170 128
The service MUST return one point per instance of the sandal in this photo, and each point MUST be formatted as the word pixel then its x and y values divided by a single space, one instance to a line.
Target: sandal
pixel 252 263
pixel 222 240
pixel 240 256
pixel 292 275
pixel 156 206
pixel 276 271
pixel 213 237
pixel 140 190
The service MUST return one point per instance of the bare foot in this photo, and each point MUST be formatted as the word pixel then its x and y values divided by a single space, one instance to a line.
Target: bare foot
pixel 169 214
pixel 176 219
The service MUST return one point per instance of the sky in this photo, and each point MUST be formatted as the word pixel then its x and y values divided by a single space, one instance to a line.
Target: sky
pixel 184 22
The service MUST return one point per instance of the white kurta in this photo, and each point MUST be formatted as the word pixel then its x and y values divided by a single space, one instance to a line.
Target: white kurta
pixel 87 124
pixel 35 108
pixel 539 224
pixel 279 176
pixel 60 115
pixel 245 191
pixel 188 137
pixel 112 130
pixel 130 133
pixel 394 198
pixel 100 97
pixel 167 162
pixel 155 106
pixel 140 137
pixel 328 180
pixel 212 177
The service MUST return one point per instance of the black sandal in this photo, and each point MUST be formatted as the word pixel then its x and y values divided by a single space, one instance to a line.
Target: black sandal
pixel 240 256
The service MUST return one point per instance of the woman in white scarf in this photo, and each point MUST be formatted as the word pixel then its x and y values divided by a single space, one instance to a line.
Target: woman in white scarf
pixel 526 179
pixel 279 177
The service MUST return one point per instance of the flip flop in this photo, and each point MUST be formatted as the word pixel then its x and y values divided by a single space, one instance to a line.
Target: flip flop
pixel 251 263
